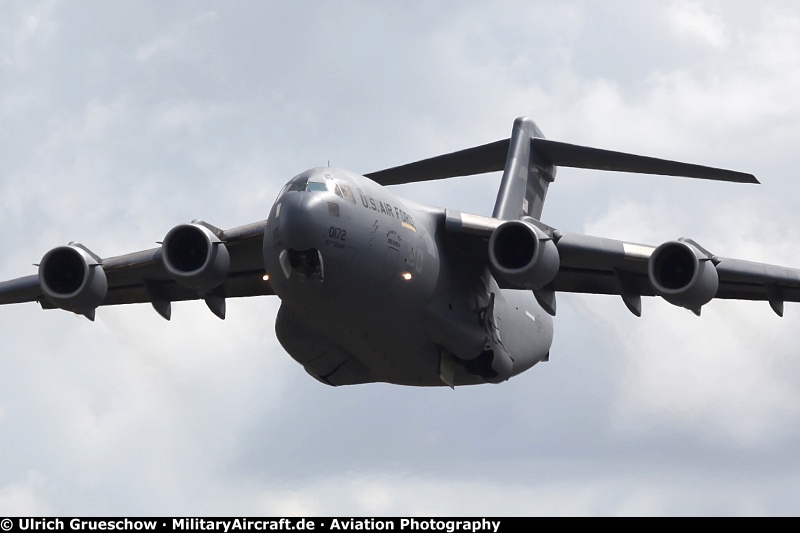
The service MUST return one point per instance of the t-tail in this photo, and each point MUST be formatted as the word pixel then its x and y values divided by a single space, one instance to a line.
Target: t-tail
pixel 529 162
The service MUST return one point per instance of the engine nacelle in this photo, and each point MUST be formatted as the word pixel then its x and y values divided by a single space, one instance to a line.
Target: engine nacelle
pixel 683 275
pixel 195 257
pixel 522 255
pixel 72 279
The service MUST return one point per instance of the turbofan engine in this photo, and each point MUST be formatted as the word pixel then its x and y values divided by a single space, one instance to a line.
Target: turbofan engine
pixel 522 255
pixel 195 257
pixel 683 275
pixel 71 278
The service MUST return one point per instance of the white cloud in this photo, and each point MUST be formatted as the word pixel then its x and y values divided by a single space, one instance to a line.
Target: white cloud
pixel 34 25
pixel 692 21
pixel 774 42
pixel 23 499
pixel 177 36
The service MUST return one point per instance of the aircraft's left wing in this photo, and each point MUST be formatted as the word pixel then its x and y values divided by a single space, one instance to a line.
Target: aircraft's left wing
pixel 529 254
pixel 195 261
pixel 682 272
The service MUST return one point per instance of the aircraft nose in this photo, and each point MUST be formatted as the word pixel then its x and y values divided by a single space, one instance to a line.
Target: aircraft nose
pixel 297 233
pixel 300 221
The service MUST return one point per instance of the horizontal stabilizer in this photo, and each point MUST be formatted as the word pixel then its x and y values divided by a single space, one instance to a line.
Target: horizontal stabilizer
pixel 479 160
pixel 492 158
pixel 572 155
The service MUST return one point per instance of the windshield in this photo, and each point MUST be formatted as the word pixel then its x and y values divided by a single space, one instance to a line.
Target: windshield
pixel 319 183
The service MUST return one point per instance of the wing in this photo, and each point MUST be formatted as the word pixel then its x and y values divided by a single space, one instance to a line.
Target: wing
pixel 195 261
pixel 682 272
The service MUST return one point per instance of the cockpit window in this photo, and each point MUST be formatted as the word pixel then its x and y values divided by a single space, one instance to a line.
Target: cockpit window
pixel 328 183
pixel 298 185
pixel 346 193
pixel 314 185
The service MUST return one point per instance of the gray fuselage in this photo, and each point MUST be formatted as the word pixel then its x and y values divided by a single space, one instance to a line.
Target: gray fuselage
pixel 371 293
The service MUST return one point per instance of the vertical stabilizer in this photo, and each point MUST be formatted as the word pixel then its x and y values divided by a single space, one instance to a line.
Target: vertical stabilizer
pixel 526 176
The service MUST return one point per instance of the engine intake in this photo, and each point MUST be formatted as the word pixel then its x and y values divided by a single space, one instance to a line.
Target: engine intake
pixel 522 255
pixel 683 275
pixel 195 257
pixel 72 279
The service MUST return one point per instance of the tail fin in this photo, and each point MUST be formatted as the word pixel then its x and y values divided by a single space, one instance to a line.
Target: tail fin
pixel 526 176
pixel 529 164
pixel 531 167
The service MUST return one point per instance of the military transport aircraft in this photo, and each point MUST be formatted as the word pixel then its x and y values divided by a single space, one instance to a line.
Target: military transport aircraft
pixel 376 288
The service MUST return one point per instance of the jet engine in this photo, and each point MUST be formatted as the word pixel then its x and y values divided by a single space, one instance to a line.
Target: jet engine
pixel 522 255
pixel 195 257
pixel 683 275
pixel 72 279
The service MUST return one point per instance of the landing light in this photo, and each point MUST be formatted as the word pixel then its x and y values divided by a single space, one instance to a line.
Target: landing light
pixel 407 276
pixel 265 277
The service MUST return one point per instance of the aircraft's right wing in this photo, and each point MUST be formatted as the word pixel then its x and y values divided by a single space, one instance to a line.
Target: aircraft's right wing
pixel 196 261
pixel 531 255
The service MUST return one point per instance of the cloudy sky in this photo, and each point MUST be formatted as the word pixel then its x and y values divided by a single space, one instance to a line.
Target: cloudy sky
pixel 120 120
